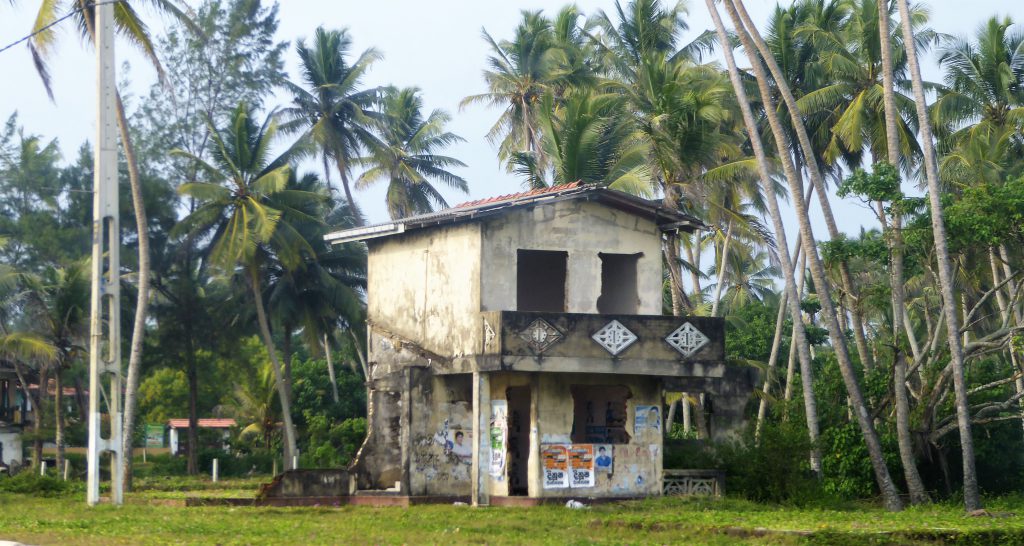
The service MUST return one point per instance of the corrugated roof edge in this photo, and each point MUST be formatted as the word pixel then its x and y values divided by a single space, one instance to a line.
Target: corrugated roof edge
pixel 668 219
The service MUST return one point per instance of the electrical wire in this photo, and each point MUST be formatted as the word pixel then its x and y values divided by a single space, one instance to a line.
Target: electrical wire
pixel 56 22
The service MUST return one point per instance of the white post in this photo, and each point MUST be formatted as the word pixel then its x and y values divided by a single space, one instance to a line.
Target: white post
pixel 67 469
pixel 215 470
pixel 42 468
pixel 273 469
pixel 295 462
pixel 105 320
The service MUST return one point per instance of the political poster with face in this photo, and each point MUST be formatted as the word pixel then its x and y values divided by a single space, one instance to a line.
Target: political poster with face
pixel 647 417
pixel 603 458
pixel 556 465
pixel 581 465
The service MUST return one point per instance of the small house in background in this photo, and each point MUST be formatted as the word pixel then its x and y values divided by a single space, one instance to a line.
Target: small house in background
pixel 178 429
pixel 15 408
pixel 517 348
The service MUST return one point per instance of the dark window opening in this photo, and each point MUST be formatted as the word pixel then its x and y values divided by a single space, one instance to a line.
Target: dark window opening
pixel 618 284
pixel 599 414
pixel 540 280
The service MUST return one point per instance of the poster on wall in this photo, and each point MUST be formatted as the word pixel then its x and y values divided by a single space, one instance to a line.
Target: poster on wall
pixel 556 465
pixel 603 458
pixel 581 464
pixel 647 417
pixel 499 436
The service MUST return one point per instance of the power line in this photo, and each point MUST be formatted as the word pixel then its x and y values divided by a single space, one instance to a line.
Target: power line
pixel 56 22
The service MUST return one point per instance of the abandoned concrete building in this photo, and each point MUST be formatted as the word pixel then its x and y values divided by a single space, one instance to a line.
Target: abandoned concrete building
pixel 517 347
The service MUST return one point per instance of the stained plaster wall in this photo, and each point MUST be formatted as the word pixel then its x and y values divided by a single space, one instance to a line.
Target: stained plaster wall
pixel 424 287
pixel 583 229
pixel 441 408
pixel 554 413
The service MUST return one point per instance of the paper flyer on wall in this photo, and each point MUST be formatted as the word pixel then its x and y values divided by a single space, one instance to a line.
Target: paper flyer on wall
pixel 556 466
pixel 581 463
pixel 498 437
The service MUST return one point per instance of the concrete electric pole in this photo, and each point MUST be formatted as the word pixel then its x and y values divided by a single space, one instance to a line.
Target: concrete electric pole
pixel 105 323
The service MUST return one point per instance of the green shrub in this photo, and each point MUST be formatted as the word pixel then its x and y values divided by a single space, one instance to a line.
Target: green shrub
pixel 29 482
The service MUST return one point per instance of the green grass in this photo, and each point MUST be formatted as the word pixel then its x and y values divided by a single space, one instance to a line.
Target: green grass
pixel 156 515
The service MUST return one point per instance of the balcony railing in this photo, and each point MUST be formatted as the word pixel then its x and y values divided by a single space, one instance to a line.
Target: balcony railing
pixel 574 342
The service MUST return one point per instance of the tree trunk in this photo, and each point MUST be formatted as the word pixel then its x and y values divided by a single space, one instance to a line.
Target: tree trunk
pixel 37 423
pixel 793 298
pixel 972 499
pixel 824 290
pixel 918 493
pixel 193 408
pixel 268 341
pixel 286 357
pixel 687 413
pixel 671 418
pixel 813 170
pixel 142 304
pixel 58 417
pixel 357 217
pixel 330 370
pixel 721 271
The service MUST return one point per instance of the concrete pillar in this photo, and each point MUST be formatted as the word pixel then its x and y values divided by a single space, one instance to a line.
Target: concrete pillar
pixel 534 472
pixel 405 430
pixel 481 440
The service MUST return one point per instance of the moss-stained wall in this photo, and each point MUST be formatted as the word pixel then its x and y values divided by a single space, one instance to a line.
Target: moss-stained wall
pixel 425 287
pixel 582 228
pixel 442 436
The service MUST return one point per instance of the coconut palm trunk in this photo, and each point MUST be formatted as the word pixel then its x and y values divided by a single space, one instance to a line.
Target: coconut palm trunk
pixel 918 493
pixel 815 175
pixel 874 446
pixel 792 298
pixel 972 498
pixel 721 271
pixel 58 416
pixel 282 391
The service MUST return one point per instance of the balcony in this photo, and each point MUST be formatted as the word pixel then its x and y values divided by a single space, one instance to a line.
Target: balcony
pixel 654 345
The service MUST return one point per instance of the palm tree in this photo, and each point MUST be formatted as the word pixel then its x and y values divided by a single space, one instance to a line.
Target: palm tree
pixel 247 209
pixel 972 499
pixel 57 310
pixel 748 37
pixel 791 294
pixel 406 155
pixel 252 404
pixel 915 486
pixel 522 71
pixel 130 27
pixel 334 108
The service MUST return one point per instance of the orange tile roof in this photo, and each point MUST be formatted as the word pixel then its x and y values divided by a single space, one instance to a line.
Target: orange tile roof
pixel 520 195
pixel 203 423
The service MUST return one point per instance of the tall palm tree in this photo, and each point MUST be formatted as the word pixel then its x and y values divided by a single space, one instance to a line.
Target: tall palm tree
pixel 765 170
pixel 521 71
pixel 406 155
pixel 972 498
pixel 749 36
pixel 131 27
pixel 247 209
pixel 334 107
pixel 915 486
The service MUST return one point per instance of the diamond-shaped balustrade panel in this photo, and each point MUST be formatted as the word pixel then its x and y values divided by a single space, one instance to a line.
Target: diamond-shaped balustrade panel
pixel 614 337
pixel 687 339
pixel 540 335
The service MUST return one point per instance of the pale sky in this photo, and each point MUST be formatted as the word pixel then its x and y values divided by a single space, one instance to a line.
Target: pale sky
pixel 434 45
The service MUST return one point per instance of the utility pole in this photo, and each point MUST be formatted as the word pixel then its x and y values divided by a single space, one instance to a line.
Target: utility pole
pixel 105 320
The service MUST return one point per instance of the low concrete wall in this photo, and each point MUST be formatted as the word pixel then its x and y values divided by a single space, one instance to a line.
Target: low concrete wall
pixel 304 483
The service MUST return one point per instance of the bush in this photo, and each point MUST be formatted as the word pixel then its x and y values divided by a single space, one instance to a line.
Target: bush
pixel 778 470
pixel 332 444
pixel 29 482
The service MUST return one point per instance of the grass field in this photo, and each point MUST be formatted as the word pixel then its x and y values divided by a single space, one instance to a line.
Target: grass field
pixel 156 515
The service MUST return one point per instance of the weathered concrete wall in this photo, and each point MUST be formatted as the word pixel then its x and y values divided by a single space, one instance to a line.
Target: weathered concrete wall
pixel 424 287
pixel 442 435
pixel 582 228
pixel 12 448
pixel 636 469
pixel 333 482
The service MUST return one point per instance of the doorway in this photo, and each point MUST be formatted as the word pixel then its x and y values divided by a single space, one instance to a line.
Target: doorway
pixel 518 440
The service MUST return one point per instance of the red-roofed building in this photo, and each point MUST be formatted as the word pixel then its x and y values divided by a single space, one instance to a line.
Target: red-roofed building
pixel 180 426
